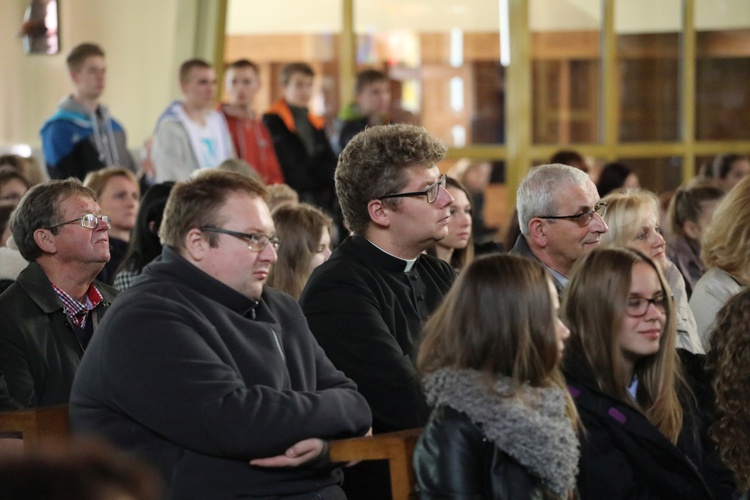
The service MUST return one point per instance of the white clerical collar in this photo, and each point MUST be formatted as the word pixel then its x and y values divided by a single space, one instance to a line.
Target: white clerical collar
pixel 408 263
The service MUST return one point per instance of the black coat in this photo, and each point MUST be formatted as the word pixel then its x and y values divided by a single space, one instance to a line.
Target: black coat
pixel 623 456
pixel 39 351
pixel 473 467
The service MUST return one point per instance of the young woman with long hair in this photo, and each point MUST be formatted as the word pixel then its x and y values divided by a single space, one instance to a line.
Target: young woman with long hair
pixel 457 249
pixel 304 233
pixel 503 427
pixel 642 436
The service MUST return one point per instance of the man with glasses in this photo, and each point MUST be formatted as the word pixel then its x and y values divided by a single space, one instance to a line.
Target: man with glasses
pixel 50 313
pixel 367 303
pixel 558 213
pixel 207 373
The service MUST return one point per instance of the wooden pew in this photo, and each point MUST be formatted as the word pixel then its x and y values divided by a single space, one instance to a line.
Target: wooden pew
pixel 36 424
pixel 396 447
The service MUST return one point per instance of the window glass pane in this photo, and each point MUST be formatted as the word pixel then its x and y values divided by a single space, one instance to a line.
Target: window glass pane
pixel 285 31
pixel 648 69
pixel 442 58
pixel 565 70
pixel 722 69
pixel 655 174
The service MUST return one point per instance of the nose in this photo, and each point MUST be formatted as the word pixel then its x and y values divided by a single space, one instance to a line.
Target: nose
pixel 597 224
pixel 444 197
pixel 268 254
pixel 565 331
pixel 659 240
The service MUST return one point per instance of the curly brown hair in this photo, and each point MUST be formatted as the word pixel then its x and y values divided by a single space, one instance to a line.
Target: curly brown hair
pixel 729 361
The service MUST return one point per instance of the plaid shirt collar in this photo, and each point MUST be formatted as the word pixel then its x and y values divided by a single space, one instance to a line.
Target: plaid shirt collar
pixel 76 311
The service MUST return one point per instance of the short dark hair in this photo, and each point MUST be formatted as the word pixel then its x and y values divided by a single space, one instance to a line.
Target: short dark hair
pixel 39 209
pixel 368 77
pixel 188 65
pixel 295 67
pixel 197 201
pixel 243 63
pixel 373 164
pixel 80 53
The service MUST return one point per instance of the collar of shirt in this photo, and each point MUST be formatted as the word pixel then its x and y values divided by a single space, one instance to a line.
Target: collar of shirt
pixel 408 263
pixel 76 310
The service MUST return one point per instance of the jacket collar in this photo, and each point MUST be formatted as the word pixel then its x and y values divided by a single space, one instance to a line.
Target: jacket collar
pixel 528 423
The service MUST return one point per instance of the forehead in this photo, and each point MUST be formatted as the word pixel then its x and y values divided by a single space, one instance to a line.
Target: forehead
pixel 246 212
pixel 92 62
pixel 577 197
pixel 241 72
pixel 77 205
pixel 300 78
pixel 376 86
pixel 644 279
pixel 198 73
pixel 420 176
pixel 120 181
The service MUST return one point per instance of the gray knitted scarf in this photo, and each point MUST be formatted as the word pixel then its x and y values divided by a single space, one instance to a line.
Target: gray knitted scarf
pixel 527 423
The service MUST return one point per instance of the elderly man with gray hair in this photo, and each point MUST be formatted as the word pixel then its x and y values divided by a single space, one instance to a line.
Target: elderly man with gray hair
pixel 558 211
pixel 49 314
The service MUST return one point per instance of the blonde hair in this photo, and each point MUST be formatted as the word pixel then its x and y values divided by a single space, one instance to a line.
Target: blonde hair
pixel 594 307
pixel 622 213
pixel 726 242
pixel 98 179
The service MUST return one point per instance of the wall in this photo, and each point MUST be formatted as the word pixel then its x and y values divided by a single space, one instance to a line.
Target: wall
pixel 145 42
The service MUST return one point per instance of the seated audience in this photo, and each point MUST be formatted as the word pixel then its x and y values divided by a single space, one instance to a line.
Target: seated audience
pixel 251 138
pixel 559 217
pixel 457 248
pixel 145 245
pixel 642 436
pixel 304 234
pixel 51 311
pixel 633 220
pixel 728 169
pixel 372 101
pixel 119 196
pixel 726 253
pixel 77 470
pixel 367 303
pixel 208 374
pixel 13 185
pixel 690 212
pixel 729 363
pixel 190 134
pixel 503 424
pixel 614 176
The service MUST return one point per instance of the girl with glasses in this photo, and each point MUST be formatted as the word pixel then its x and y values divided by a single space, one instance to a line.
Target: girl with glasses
pixel 503 426
pixel 641 434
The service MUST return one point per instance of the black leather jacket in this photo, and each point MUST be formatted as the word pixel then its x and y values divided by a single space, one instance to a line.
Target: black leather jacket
pixel 454 460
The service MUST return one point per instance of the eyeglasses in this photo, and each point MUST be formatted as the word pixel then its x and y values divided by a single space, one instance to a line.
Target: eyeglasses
pixel 583 219
pixel 256 242
pixel 638 306
pixel 431 192
pixel 89 221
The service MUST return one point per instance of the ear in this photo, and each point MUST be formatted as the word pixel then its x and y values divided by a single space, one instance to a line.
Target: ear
pixel 537 232
pixel 196 245
pixel 379 213
pixel 692 230
pixel 45 240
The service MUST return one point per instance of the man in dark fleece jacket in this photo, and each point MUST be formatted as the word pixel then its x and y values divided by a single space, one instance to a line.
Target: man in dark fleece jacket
pixel 209 375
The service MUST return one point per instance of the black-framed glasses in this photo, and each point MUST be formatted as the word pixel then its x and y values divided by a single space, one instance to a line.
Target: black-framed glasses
pixel 638 306
pixel 583 219
pixel 89 221
pixel 431 192
pixel 256 242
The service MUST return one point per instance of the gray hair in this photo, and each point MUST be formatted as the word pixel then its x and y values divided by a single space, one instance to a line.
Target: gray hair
pixel 38 209
pixel 536 194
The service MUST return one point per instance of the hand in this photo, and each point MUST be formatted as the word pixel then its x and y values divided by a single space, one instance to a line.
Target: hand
pixel 299 454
